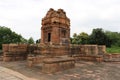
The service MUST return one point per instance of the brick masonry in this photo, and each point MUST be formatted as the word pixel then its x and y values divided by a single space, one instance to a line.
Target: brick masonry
pixel 55 28
pixel 59 64
pixel 13 52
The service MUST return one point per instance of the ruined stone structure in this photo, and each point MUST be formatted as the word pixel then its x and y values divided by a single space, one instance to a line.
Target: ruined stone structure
pixel 14 52
pixel 55 49
pixel 55 28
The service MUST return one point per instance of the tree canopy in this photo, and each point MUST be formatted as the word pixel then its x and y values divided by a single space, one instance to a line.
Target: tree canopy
pixel 30 40
pixel 8 36
pixel 98 36
pixel 114 37
pixel 81 38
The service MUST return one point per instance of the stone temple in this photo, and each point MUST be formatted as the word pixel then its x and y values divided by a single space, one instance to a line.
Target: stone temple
pixel 55 28
pixel 54 51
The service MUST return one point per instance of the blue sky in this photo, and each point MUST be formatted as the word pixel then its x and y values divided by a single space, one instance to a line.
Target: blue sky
pixel 24 16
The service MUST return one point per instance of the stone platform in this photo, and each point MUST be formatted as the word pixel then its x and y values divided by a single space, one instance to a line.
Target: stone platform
pixel 57 64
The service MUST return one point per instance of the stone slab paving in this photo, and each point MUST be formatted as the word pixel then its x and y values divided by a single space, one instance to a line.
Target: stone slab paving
pixel 7 74
pixel 83 71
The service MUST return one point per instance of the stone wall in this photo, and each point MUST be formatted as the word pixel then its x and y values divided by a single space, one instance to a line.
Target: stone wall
pixel 20 51
pixel 88 49
pixel 57 50
pixel 88 52
pixel 14 47
pixel 52 50
pixel 13 52
pixel 101 49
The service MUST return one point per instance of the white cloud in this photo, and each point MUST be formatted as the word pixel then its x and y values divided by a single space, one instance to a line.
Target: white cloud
pixel 24 16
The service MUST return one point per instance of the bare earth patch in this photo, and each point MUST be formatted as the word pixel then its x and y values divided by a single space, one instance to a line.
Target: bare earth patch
pixel 82 71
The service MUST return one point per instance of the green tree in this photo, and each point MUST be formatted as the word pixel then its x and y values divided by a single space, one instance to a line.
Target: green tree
pixel 83 37
pixel 23 40
pixel 8 36
pixel 99 37
pixel 75 39
pixel 30 40
pixel 114 37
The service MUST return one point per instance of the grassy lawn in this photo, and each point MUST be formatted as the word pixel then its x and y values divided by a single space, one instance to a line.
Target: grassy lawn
pixel 113 50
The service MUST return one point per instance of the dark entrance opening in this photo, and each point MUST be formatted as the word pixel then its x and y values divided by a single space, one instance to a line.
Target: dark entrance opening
pixel 49 37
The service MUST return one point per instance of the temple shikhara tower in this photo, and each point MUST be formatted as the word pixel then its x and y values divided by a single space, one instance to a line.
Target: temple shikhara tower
pixel 55 28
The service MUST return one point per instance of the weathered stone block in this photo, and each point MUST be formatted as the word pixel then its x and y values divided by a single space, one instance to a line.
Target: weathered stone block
pixel 7 57
pixel 101 49
pixel 5 47
pixel 97 58
pixel 14 52
pixel 57 64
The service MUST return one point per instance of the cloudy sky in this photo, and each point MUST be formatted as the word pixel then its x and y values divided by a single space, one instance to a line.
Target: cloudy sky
pixel 24 16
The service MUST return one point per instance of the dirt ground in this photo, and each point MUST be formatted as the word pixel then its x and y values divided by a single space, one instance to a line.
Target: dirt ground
pixel 83 71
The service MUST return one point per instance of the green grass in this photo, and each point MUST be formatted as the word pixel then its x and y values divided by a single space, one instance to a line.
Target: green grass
pixel 113 50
